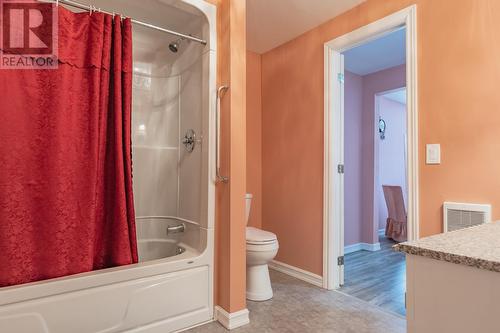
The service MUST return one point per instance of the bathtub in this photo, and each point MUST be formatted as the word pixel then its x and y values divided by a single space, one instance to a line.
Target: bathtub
pixel 162 294
pixel 171 288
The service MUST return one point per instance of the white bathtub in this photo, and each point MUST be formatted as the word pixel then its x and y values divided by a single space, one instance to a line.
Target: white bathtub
pixel 168 292
pixel 162 295
pixel 154 249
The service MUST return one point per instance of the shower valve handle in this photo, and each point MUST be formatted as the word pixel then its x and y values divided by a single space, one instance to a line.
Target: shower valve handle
pixel 189 140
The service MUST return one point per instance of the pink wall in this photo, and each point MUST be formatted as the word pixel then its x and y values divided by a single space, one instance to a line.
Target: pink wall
pixel 360 128
pixel 254 137
pixel 375 83
pixel 353 115
pixel 392 152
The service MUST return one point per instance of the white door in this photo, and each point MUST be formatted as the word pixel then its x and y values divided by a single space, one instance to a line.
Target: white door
pixel 337 175
pixel 340 169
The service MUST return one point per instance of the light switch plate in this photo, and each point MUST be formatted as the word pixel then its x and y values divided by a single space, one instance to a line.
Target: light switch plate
pixel 433 153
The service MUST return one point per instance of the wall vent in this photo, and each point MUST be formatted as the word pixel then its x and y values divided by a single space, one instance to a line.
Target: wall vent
pixel 464 215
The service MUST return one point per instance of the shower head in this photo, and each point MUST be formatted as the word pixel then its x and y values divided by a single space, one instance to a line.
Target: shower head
pixel 174 46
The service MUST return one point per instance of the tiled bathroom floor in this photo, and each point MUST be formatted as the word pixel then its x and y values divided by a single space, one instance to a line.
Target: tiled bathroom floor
pixel 303 308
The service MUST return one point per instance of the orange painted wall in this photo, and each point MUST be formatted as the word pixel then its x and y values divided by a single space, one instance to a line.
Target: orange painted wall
pixel 237 154
pixel 230 242
pixel 254 137
pixel 292 157
pixel 459 76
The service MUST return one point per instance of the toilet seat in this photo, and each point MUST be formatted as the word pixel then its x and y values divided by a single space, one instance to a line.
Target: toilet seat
pixel 260 240
pixel 259 237
pixel 263 247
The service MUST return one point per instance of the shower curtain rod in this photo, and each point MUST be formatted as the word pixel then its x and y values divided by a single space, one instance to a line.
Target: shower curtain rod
pixel 92 8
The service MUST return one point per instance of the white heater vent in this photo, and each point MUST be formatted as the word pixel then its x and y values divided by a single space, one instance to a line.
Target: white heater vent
pixel 463 215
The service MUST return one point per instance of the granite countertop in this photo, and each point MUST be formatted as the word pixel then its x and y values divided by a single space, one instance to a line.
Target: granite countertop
pixel 476 247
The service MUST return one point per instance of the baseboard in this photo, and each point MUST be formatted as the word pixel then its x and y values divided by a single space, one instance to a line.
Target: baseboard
pixel 361 246
pixel 372 247
pixel 231 320
pixel 297 273
pixel 194 326
pixel 381 232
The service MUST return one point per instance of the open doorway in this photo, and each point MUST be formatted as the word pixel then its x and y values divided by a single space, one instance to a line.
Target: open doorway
pixel 371 158
pixel 373 272
pixel 375 170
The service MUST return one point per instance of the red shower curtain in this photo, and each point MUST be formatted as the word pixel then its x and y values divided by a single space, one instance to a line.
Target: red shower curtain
pixel 66 202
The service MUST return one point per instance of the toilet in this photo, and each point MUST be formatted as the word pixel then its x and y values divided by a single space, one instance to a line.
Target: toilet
pixel 262 247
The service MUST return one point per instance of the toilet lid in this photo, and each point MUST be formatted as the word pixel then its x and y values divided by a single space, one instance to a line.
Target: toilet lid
pixel 255 235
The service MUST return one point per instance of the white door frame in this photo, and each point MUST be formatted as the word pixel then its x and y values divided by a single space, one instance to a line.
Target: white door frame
pixel 333 188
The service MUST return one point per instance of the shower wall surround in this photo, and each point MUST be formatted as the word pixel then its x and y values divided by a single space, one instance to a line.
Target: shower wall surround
pixel 168 102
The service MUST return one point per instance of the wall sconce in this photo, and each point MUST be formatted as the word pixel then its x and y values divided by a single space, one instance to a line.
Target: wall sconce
pixel 381 128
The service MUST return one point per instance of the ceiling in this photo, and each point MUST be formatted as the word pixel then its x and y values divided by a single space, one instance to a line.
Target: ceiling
pixel 379 54
pixel 271 23
pixel 397 96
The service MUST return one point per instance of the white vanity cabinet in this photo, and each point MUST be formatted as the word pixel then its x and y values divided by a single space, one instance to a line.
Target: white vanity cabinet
pixel 453 281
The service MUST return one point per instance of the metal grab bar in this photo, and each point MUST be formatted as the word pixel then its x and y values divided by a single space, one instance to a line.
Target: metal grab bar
pixel 165 218
pixel 176 229
pixel 218 177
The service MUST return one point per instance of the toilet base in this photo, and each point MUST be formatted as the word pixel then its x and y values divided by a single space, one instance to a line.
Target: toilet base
pixel 258 283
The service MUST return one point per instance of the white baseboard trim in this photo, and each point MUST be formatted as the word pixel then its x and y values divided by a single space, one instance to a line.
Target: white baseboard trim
pixel 361 246
pixel 381 232
pixel 297 273
pixel 194 326
pixel 231 320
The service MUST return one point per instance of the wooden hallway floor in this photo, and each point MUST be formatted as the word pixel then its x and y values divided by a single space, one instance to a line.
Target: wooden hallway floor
pixel 378 278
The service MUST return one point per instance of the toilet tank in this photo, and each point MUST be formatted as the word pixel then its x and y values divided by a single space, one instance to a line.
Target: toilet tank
pixel 248 205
